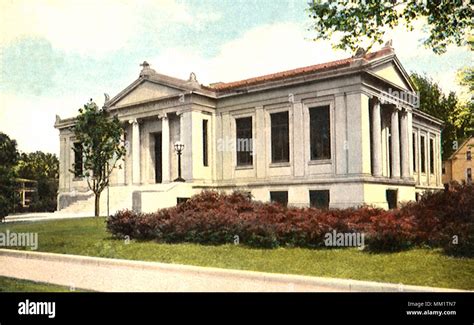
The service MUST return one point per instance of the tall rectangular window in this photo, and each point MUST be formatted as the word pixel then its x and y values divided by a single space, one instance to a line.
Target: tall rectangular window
pixel 468 155
pixel 78 157
pixel 469 176
pixel 205 156
pixel 422 154
pixel 280 137
pixel 320 133
pixel 415 153
pixel 432 156
pixel 244 141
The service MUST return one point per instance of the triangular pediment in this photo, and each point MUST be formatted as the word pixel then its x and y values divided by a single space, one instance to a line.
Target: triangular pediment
pixel 143 91
pixel 392 72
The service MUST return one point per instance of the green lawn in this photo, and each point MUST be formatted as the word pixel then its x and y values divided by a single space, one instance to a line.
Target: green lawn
pixel 87 236
pixel 15 285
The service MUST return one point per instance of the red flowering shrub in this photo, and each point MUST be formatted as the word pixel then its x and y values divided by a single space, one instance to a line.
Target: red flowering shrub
pixel 210 217
pixel 456 218
pixel 389 231
pixel 123 223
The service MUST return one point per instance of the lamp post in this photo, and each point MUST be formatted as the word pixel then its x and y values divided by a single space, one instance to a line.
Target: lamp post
pixel 178 147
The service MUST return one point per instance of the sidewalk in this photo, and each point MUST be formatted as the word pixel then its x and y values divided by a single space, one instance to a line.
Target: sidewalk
pixel 103 274
pixel 40 216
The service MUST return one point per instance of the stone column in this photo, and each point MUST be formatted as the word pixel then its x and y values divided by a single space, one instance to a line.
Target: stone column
pixel 376 140
pixel 411 154
pixel 165 147
pixel 404 145
pixel 418 160
pixel 259 148
pixel 298 140
pixel 135 151
pixel 186 137
pixel 395 149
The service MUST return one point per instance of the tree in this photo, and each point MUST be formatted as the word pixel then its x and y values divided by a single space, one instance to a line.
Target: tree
pixel 43 168
pixel 456 115
pixel 38 164
pixel 101 147
pixel 466 74
pixel 8 158
pixel 8 151
pixel 356 22
pixel 466 79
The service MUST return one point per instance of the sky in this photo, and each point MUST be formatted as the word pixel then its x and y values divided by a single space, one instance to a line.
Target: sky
pixel 57 54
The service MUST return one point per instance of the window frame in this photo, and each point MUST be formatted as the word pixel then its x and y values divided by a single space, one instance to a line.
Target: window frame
pixel 274 133
pixel 239 153
pixel 431 149
pixel 78 172
pixel 205 142
pixel 415 151
pixel 311 110
pixel 422 154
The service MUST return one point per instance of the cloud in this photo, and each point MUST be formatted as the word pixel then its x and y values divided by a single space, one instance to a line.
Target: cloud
pixel 282 46
pixel 93 28
pixel 261 50
pixel 86 27
pixel 28 66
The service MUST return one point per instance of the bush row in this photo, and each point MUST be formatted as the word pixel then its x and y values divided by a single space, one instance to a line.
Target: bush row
pixel 216 218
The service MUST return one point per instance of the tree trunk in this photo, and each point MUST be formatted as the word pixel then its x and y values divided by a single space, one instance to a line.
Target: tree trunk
pixel 97 205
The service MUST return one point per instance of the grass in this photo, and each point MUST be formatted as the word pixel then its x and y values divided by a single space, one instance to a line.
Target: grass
pixel 16 285
pixel 87 236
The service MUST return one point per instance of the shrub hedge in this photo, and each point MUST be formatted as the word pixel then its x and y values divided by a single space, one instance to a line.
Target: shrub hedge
pixel 216 218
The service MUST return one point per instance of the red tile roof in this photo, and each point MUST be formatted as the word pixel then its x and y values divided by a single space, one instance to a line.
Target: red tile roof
pixel 298 72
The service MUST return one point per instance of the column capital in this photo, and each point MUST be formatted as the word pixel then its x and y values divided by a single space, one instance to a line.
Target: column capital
pixel 162 116
pixel 376 99
pixel 133 121
pixel 297 103
pixel 407 110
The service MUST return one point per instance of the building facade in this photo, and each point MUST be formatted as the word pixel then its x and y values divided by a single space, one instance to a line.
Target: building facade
pixel 459 166
pixel 338 134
